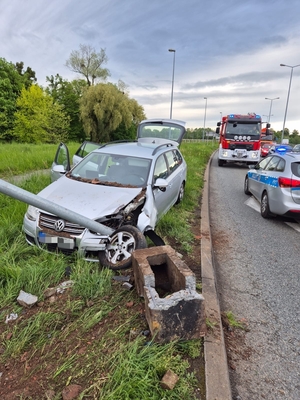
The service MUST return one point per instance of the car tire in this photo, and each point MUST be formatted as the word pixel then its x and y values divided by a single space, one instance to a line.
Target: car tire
pixel 180 194
pixel 221 162
pixel 264 206
pixel 246 185
pixel 122 243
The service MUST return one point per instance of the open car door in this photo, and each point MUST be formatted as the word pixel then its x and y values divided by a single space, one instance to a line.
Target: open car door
pixel 84 150
pixel 161 131
pixel 61 163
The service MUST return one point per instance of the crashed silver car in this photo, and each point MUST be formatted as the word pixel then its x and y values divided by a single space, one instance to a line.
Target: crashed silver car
pixel 125 186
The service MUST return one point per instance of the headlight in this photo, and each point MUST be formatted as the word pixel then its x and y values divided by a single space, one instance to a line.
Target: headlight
pixel 31 213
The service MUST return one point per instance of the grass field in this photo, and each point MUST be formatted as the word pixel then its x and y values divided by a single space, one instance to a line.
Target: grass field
pixel 16 159
pixel 94 334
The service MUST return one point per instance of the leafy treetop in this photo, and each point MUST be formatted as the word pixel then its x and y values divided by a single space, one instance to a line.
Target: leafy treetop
pixel 88 63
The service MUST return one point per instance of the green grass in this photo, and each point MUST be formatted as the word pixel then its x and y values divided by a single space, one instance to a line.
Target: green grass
pixel 16 159
pixel 233 322
pixel 85 336
pixel 176 223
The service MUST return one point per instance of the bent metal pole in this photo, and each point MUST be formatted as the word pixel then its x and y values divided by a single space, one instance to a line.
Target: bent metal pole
pixel 43 204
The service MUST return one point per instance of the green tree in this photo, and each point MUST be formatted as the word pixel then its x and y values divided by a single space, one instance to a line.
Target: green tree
pixel 88 63
pixel 39 119
pixel 277 136
pixel 67 94
pixel 28 76
pixel 286 133
pixel 11 83
pixel 104 109
pixel 199 133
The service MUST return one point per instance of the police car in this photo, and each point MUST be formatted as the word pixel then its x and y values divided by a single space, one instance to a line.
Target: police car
pixel 275 183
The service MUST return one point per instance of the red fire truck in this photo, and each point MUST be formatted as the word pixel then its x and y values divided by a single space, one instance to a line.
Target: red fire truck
pixel 239 138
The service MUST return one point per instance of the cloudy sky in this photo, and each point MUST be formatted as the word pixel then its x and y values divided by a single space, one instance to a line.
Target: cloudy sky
pixel 228 51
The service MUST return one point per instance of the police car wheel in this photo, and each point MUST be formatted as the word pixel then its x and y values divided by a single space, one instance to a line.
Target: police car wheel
pixel 264 206
pixel 246 186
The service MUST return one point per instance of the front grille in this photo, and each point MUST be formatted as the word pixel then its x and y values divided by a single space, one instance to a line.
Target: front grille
pixel 240 146
pixel 46 223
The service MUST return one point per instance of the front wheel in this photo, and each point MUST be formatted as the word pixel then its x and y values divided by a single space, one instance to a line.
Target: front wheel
pixel 122 243
pixel 246 185
pixel 220 162
pixel 264 206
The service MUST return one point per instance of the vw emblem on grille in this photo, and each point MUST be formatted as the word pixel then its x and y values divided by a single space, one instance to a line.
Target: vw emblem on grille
pixel 59 225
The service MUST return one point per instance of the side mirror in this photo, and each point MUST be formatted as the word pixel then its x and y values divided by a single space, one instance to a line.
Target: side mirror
pixel 59 168
pixel 218 130
pixel 219 124
pixel 57 171
pixel 161 184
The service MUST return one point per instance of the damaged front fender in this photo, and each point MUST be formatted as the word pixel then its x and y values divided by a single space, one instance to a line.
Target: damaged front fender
pixel 148 217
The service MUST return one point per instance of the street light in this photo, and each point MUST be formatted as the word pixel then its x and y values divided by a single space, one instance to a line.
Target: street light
pixel 221 115
pixel 267 98
pixel 287 100
pixel 205 98
pixel 172 51
pixel 265 115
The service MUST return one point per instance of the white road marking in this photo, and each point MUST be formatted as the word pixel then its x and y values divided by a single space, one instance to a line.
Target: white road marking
pixel 294 225
pixel 253 203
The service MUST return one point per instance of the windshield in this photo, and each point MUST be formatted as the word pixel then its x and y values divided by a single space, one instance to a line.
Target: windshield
pixel 112 170
pixel 251 131
pixel 161 129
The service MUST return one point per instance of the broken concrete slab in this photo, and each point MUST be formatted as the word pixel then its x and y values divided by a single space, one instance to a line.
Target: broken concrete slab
pixel 26 299
pixel 169 380
pixel 173 308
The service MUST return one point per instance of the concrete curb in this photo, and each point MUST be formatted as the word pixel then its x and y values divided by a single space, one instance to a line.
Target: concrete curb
pixel 216 367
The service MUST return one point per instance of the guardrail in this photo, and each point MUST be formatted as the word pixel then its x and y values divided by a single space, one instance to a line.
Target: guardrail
pixel 199 140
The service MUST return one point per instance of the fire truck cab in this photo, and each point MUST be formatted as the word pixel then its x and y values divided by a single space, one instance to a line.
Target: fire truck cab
pixel 240 137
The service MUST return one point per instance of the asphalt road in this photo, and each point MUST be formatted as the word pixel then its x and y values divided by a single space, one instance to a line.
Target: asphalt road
pixel 258 279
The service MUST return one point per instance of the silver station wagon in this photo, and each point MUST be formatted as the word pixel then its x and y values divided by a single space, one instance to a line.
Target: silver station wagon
pixel 125 186
pixel 275 183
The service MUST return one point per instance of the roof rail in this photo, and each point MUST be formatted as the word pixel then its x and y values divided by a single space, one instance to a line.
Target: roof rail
pixel 162 145
pixel 116 142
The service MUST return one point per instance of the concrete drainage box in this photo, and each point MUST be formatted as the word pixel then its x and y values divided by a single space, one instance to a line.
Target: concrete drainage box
pixel 174 310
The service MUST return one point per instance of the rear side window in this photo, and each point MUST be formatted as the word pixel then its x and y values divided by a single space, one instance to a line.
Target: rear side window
pixel 174 160
pixel 296 168
pixel 280 166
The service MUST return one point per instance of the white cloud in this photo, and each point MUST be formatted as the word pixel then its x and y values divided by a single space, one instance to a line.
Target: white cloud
pixel 227 51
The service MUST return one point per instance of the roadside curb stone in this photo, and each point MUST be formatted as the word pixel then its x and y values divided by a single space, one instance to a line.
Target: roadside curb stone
pixel 216 367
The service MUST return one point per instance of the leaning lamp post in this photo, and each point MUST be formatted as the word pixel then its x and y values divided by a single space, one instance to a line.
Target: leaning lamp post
pixel 172 51
pixel 288 96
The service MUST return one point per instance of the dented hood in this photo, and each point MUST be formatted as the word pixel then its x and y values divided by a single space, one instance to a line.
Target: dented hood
pixel 91 200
